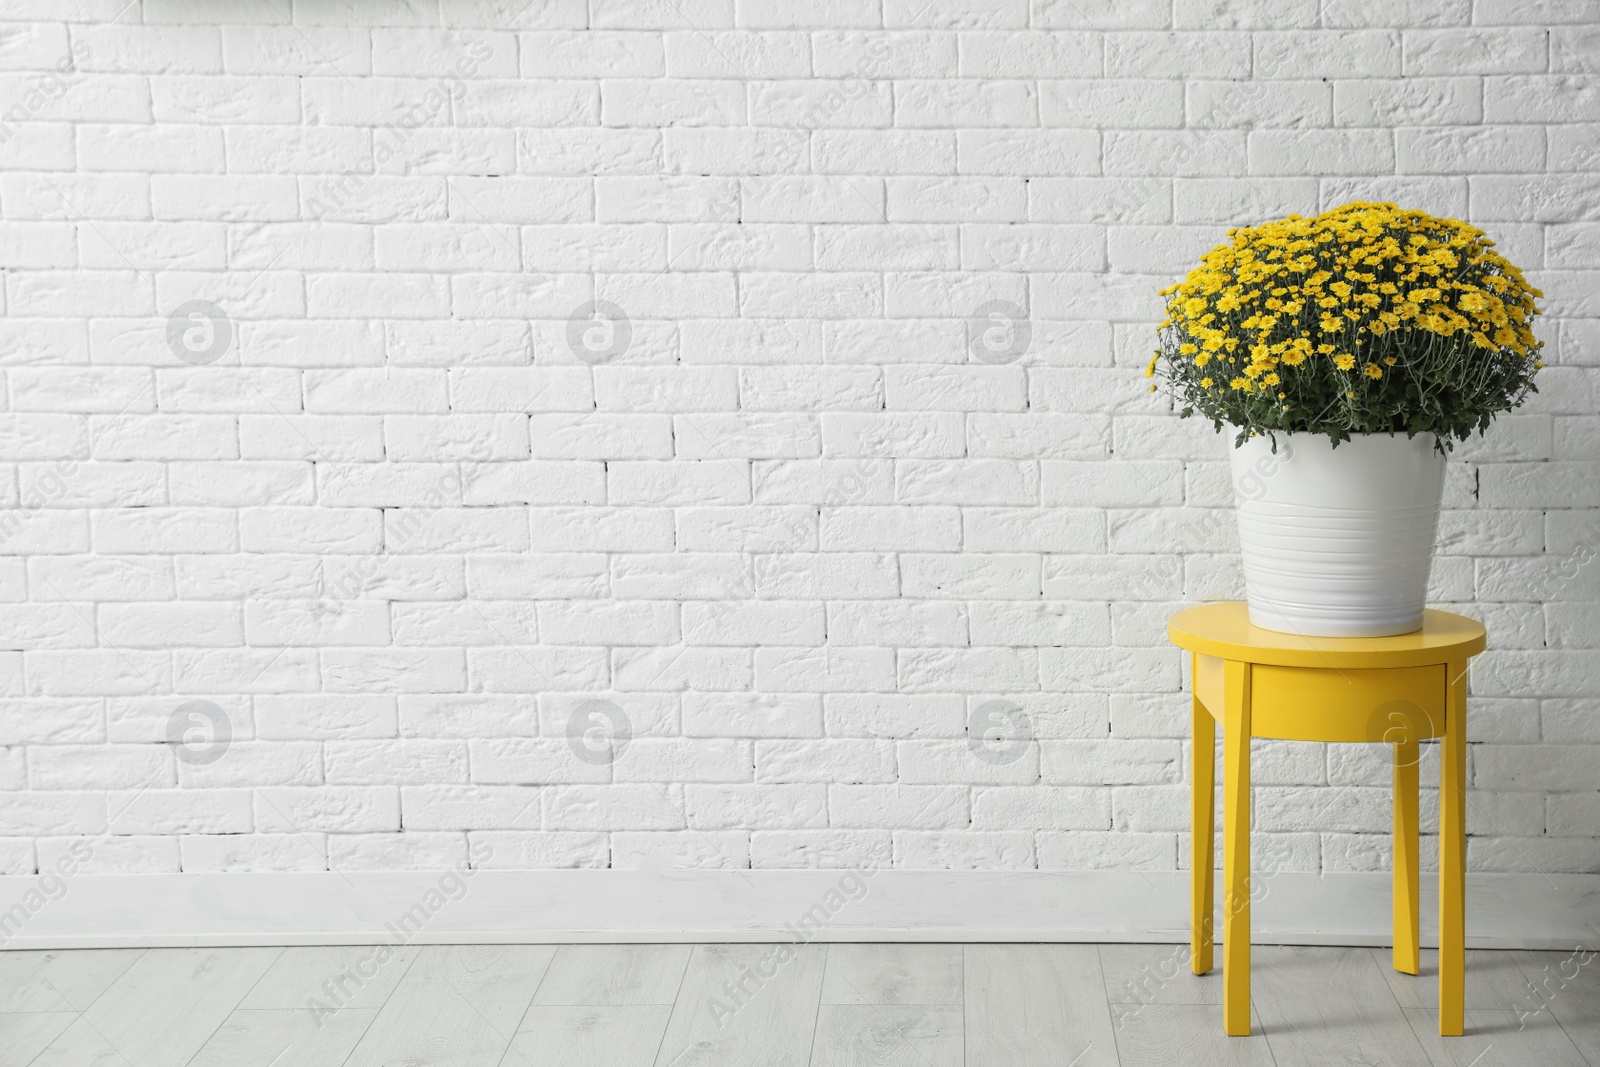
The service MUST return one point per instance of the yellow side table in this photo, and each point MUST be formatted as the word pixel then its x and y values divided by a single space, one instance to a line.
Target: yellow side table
pixel 1261 683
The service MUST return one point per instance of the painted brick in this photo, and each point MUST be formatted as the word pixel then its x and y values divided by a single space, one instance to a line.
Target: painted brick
pixel 799 529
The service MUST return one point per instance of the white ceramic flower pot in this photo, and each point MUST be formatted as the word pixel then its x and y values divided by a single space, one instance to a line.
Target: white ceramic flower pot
pixel 1338 542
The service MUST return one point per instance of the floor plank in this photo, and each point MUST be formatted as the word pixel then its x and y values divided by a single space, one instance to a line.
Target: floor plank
pixel 338 976
pixel 1496 1038
pixel 160 1010
pixel 23 1035
pixel 892 974
pixel 1330 1006
pixel 1494 980
pixel 1567 984
pixel 887 1035
pixel 769 1020
pixel 1036 1005
pixel 847 1005
pixel 281 1037
pixel 1189 1035
pixel 1582 1028
pixel 1156 974
pixel 59 980
pixel 622 1035
pixel 614 974
pixel 458 1006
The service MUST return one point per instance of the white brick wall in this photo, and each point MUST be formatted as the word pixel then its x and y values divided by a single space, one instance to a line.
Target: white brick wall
pixel 864 452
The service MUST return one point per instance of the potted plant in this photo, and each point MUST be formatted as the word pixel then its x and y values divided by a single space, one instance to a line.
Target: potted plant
pixel 1350 351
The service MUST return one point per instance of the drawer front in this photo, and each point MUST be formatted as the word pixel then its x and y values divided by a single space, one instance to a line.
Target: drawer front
pixel 1324 704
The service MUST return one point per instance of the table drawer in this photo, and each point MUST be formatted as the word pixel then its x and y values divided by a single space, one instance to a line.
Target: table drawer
pixel 1327 704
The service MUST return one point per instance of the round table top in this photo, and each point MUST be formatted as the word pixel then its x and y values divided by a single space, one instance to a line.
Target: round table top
pixel 1224 630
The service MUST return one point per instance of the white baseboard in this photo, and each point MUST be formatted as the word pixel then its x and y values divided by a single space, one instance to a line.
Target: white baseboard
pixel 95 911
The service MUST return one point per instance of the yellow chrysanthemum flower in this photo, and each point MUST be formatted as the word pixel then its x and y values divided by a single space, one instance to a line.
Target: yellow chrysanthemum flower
pixel 1366 285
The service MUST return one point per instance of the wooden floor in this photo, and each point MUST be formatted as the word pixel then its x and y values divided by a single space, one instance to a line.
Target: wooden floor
pixel 773 1006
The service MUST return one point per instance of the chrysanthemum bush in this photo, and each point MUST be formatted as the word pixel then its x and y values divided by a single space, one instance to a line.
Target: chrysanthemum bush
pixel 1365 319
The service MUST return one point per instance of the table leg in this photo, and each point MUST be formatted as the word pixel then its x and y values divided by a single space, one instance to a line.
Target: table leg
pixel 1203 841
pixel 1453 854
pixel 1236 851
pixel 1407 936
